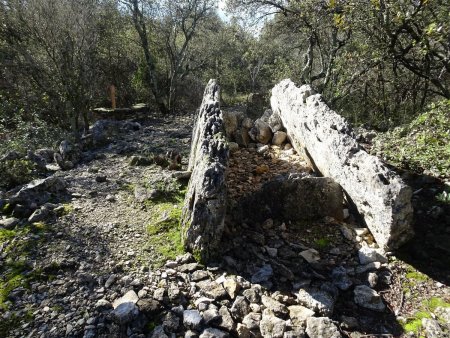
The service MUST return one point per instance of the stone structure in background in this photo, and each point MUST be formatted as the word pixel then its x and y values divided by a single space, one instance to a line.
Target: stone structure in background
pixel 205 202
pixel 325 137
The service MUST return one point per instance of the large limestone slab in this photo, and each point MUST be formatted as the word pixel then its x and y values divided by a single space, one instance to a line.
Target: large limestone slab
pixel 205 202
pixel 326 138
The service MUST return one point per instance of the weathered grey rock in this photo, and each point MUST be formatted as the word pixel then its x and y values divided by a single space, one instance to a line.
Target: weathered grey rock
pixel 149 307
pixel 46 154
pixel 298 332
pixel 273 120
pixel 232 123
pixel 368 255
pixel 69 151
pixel 212 289
pixel 240 307
pixel 39 215
pixel 192 319
pixel 111 279
pixel 213 333
pixel 275 306
pixel 158 332
pixel 319 301
pixel 372 279
pixel 191 334
pixel 232 286
pixel 252 320
pixel 272 326
pixel 310 255
pixel 326 138
pixel 103 304
pixel 9 223
pixel 341 278
pixel 261 132
pixel 320 327
pixel 171 322
pixel 432 328
pixel 253 294
pixel 299 314
pixel 38 191
pixel 205 202
pixel 279 138
pixel 210 316
pixel 226 321
pixel 368 298
pixel 38 160
pixel 125 309
pixel 349 323
pixel 243 331
pixel 263 274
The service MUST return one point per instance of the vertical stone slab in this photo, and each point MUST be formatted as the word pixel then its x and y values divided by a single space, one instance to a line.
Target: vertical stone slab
pixel 205 202
pixel 326 138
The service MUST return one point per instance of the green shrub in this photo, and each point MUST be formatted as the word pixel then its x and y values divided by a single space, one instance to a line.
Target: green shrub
pixel 15 172
pixel 422 144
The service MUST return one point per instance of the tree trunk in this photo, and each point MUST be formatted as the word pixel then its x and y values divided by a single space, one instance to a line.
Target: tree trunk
pixel 139 24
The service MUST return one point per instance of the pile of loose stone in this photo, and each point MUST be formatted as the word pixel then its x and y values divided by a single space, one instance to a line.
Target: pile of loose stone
pixel 275 278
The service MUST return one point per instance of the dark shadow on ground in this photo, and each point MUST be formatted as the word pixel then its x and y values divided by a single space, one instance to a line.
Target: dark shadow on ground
pixel 429 249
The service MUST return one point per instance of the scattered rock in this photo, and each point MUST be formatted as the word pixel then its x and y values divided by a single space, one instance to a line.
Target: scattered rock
pixel 320 327
pixel 9 223
pixel 213 333
pixel 310 255
pixel 321 302
pixel 432 328
pixel 279 138
pixel 368 298
pixel 368 255
pixel 192 319
pixel 299 314
pixel 272 326
pixel 276 307
pixel 263 274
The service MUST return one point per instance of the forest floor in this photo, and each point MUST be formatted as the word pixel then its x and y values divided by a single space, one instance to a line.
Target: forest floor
pixel 116 225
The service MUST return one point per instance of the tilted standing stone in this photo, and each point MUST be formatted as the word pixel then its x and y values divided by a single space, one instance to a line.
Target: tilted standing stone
pixel 205 202
pixel 325 137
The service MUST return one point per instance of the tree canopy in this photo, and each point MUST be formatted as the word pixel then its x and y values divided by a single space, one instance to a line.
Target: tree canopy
pixel 378 62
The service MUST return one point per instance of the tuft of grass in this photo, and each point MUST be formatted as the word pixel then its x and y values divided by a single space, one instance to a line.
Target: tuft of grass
pixel 6 235
pixel 165 231
pixel 416 275
pixel 414 324
pixel 435 302
pixel 322 243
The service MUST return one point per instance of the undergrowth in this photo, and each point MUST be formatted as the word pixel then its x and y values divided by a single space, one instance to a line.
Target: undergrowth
pixel 422 144
pixel 18 245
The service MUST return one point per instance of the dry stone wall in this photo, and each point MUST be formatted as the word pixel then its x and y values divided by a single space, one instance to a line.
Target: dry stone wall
pixel 327 139
pixel 205 203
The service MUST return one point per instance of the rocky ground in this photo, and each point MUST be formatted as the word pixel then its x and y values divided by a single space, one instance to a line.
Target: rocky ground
pixel 101 257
